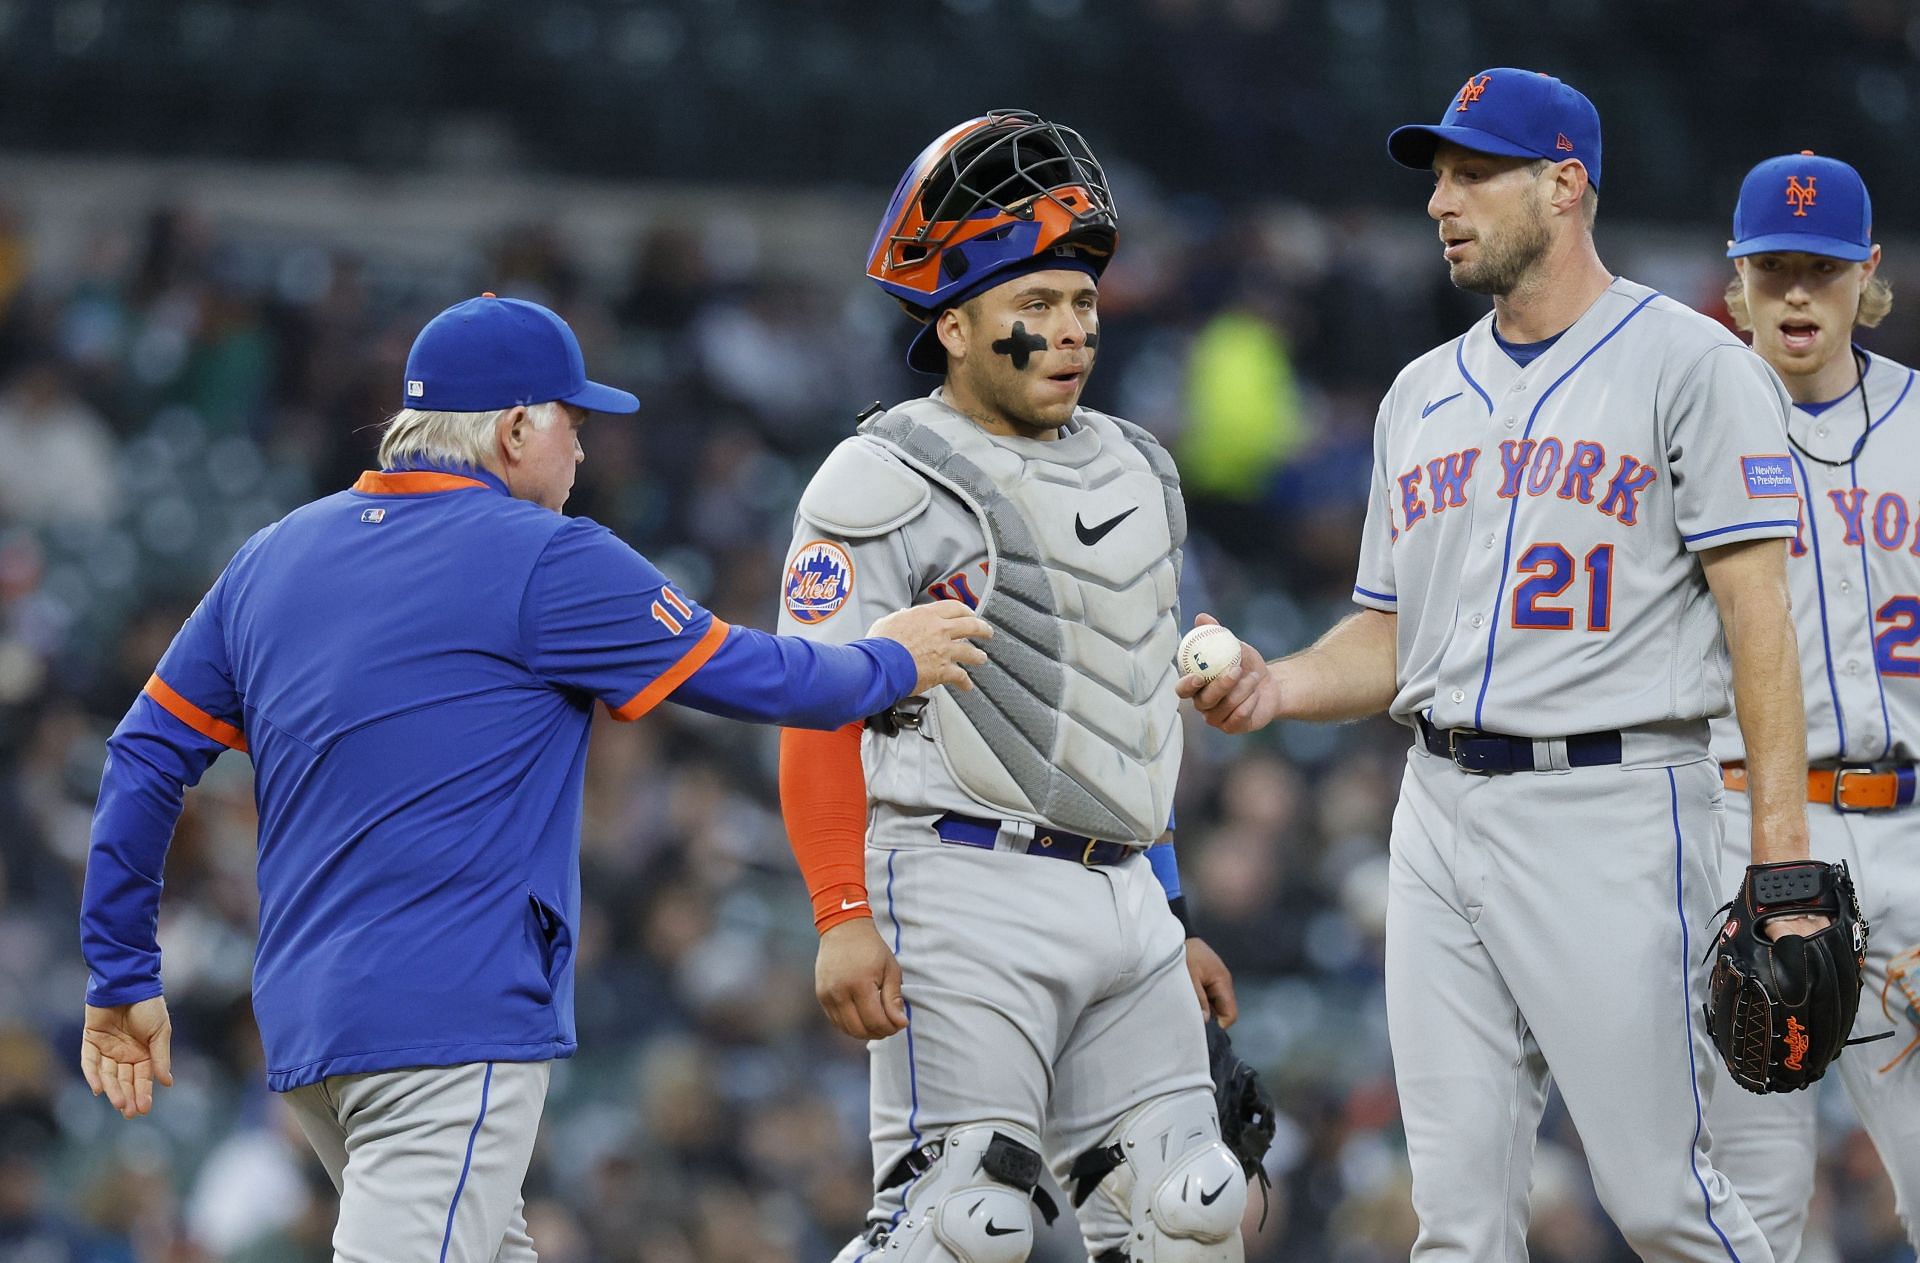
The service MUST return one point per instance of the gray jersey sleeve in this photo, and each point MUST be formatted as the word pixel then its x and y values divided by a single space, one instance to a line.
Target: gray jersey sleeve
pixel 1727 452
pixel 1374 587
pixel 834 587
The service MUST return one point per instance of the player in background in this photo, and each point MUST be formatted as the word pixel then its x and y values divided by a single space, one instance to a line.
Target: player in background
pixel 1570 503
pixel 1805 275
pixel 412 665
pixel 983 866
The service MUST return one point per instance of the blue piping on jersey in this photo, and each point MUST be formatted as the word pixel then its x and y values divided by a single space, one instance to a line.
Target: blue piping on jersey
pixel 1741 526
pixel 446 1238
pixel 1820 587
pixel 1513 509
pixel 1686 1016
pixel 1866 577
pixel 1461 364
pixel 1378 596
pixel 913 1079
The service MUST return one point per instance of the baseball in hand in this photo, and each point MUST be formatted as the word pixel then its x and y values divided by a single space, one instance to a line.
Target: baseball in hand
pixel 1208 651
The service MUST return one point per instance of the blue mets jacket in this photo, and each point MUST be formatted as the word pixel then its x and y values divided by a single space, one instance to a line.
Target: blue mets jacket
pixel 412 666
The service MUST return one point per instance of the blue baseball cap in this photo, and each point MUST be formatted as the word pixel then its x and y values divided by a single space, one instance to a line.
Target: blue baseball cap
pixel 490 353
pixel 1806 203
pixel 1515 113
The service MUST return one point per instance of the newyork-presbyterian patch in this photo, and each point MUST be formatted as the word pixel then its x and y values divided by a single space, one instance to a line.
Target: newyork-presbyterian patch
pixel 1768 476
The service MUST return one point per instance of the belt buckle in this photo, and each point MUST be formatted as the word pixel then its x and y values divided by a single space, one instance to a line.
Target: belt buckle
pixel 1086 854
pixel 1840 775
pixel 1453 750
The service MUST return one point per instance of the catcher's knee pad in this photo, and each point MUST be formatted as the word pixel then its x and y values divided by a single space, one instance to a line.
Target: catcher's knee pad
pixel 1182 1191
pixel 970 1199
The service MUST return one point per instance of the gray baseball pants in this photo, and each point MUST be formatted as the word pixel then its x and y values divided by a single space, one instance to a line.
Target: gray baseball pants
pixel 1551 923
pixel 1043 993
pixel 1766 1144
pixel 429 1161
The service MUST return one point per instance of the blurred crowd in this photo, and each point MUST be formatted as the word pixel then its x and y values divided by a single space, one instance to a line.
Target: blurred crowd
pixel 180 384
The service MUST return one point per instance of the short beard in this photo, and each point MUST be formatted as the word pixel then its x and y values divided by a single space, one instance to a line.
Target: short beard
pixel 1502 268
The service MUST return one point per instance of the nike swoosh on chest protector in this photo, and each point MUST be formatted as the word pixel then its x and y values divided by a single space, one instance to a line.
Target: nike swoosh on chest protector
pixel 1094 534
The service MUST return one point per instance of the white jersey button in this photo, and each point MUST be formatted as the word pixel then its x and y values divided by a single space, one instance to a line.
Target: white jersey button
pixel 1459 696
pixel 1822 431
pixel 1853 667
pixel 1509 423
pixel 1489 539
pixel 1479 620
pixel 1846 585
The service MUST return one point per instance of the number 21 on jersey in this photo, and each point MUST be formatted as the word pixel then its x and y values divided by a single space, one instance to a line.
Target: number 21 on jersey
pixel 1550 568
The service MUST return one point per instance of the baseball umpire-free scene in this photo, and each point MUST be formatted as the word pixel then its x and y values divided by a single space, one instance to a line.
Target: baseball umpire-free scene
pixel 1167 631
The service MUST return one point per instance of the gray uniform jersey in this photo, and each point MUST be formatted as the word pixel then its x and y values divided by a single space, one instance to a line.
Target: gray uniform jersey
pixel 1113 603
pixel 1854 567
pixel 1534 528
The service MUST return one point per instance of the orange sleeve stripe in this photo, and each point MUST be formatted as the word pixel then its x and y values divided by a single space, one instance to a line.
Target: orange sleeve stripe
pixel 674 676
pixel 193 717
pixel 823 799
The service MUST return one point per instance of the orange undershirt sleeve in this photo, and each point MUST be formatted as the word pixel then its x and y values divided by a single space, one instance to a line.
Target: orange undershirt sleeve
pixel 823 799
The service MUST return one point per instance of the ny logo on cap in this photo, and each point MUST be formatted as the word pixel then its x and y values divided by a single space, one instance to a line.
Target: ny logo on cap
pixel 1473 91
pixel 1800 196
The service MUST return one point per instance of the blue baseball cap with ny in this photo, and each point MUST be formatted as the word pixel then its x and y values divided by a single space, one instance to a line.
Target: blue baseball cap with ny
pixel 1515 113
pixel 490 353
pixel 1803 202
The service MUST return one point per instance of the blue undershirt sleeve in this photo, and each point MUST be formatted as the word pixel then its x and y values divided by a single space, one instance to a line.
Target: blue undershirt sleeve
pixel 1165 867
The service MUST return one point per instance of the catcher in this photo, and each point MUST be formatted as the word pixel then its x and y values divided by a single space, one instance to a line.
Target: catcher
pixel 984 875
pixel 1806 277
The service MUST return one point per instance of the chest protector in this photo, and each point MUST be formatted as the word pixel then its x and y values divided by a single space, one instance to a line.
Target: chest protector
pixel 1072 721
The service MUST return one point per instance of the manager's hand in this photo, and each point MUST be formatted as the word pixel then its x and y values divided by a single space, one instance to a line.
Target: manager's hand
pixel 125 1050
pixel 940 637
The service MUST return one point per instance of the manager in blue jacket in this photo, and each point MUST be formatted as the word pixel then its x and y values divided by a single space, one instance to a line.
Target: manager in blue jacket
pixel 412 664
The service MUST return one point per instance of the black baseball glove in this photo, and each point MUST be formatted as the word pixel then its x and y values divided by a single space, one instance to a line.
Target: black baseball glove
pixel 1781 1011
pixel 1245 1107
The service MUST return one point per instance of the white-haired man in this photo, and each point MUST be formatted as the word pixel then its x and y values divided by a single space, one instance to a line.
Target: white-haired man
pixel 411 664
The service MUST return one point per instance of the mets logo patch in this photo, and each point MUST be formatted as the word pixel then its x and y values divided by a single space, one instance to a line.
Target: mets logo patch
pixel 819 581
pixel 1768 476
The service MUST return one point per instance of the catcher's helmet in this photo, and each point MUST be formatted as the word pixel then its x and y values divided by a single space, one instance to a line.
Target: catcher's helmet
pixel 1002 193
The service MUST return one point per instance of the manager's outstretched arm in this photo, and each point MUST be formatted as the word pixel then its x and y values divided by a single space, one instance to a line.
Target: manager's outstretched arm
pixel 762 678
pixel 1349 673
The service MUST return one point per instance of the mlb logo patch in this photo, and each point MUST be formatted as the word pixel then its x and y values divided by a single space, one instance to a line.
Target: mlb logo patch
pixel 416 389
pixel 373 515
pixel 1768 476
pixel 819 582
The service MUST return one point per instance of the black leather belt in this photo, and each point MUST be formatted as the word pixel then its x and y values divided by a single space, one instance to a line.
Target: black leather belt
pixel 1052 843
pixel 1491 754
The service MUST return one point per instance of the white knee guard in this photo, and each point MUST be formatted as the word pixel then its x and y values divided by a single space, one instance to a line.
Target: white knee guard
pixel 1182 1191
pixel 971 1201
